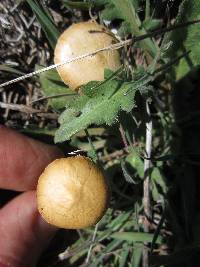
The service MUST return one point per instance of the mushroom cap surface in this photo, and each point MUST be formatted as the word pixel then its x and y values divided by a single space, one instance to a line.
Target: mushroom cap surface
pixel 72 193
pixel 79 39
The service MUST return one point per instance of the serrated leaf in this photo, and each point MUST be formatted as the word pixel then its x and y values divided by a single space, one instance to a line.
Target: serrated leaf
pixel 186 39
pixel 67 115
pixel 111 97
pixel 73 108
pixel 90 89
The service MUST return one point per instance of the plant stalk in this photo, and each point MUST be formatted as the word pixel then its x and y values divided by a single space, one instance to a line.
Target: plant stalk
pixel 147 184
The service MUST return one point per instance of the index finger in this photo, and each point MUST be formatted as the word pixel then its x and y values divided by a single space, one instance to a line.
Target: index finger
pixel 22 160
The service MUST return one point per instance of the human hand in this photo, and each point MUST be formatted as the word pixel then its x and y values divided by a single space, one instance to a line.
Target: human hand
pixel 23 233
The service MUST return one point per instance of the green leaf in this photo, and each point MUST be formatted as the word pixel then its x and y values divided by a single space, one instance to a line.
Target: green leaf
pixel 100 2
pixel 137 255
pixel 77 4
pixel 45 21
pixel 75 142
pixel 135 161
pixel 103 107
pixel 124 29
pixel 129 14
pixel 126 10
pixel 158 179
pixel 124 256
pixel 159 187
pixel 38 131
pixel 151 24
pixel 116 223
pixel 186 39
pixel 9 68
pixel 136 237
pixel 127 175
pixel 53 86
pixel 109 247
pixel 110 13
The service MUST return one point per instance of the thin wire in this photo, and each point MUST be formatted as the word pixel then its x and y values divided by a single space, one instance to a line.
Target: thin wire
pixel 110 47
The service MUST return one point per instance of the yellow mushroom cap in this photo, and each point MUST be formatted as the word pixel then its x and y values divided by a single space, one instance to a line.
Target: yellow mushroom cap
pixel 80 39
pixel 72 193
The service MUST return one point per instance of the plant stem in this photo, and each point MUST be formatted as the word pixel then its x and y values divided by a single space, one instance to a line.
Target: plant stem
pixel 147 9
pixel 146 185
pixel 90 248
pixel 94 153
pixel 123 136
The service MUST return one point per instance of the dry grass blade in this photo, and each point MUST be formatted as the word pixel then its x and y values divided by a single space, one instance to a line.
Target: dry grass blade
pixel 28 110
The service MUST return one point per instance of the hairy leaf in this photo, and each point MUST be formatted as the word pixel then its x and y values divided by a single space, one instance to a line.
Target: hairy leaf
pixel 101 107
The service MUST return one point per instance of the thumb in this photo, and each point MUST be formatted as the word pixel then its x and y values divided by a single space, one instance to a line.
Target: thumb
pixel 23 232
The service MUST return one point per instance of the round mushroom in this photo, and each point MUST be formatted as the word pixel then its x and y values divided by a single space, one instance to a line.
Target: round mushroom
pixel 83 38
pixel 72 193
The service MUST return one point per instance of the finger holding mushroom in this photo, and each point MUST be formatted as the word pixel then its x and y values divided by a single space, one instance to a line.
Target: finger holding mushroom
pixel 72 193
pixel 83 38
